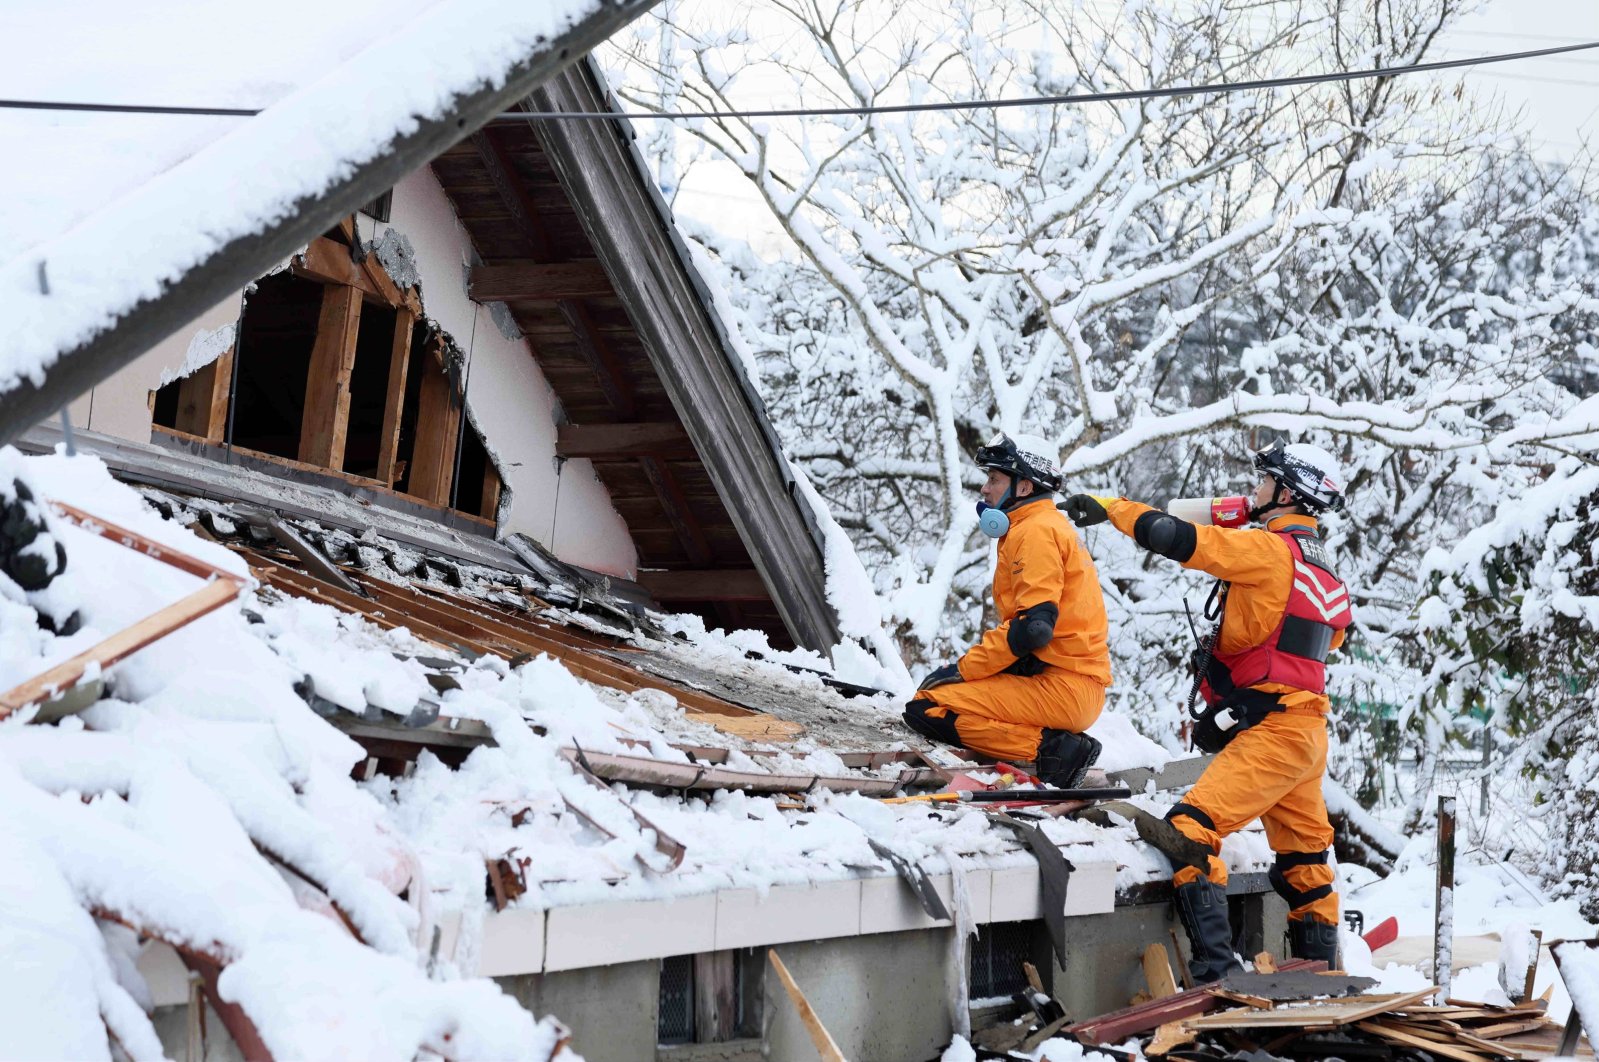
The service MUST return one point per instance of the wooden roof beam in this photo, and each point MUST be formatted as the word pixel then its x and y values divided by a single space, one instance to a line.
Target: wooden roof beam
pixel 597 353
pixel 600 442
pixel 684 523
pixel 531 281
pixel 513 193
pixel 704 584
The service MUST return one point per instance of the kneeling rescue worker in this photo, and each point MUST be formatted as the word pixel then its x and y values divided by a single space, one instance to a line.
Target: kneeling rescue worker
pixel 1033 684
pixel 1263 678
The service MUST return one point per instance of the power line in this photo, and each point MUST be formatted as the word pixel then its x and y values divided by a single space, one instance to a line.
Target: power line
pixel 1124 95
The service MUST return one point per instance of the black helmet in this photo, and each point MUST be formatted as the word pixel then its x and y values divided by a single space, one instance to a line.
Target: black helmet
pixel 1307 472
pixel 1023 456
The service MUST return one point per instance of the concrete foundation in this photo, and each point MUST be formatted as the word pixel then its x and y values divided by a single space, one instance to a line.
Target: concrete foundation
pixel 884 997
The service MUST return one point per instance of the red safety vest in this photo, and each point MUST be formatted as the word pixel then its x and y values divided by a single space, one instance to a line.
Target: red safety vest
pixel 1296 652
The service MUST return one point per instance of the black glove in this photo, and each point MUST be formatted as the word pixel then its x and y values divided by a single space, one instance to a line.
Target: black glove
pixel 1085 510
pixel 942 676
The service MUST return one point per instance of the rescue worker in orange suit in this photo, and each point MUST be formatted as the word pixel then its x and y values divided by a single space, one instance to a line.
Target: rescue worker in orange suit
pixel 1264 684
pixel 1032 685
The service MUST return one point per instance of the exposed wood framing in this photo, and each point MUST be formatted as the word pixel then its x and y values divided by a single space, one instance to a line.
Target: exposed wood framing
pixel 203 399
pixel 688 529
pixel 489 502
pixel 326 418
pixel 599 442
pixel 330 262
pixel 221 588
pixel 630 234
pixel 715 996
pixel 454 626
pixel 438 427
pixel 705 584
pixel 596 352
pixel 394 399
pixel 531 281
pixel 513 193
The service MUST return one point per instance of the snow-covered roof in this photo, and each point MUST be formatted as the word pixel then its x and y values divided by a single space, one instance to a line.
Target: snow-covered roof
pixel 122 227
pixel 207 802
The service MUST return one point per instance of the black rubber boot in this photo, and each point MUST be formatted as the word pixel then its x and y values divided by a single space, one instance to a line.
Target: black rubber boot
pixel 1310 939
pixel 1064 757
pixel 1202 906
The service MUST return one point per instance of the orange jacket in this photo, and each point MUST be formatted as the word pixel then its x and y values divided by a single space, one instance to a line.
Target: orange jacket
pixel 1260 570
pixel 1041 560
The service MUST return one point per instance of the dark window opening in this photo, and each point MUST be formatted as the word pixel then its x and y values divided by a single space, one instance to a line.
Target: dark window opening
pixel 476 489
pixel 997 956
pixel 165 410
pixel 369 390
pixel 275 341
pixel 710 998
pixel 422 360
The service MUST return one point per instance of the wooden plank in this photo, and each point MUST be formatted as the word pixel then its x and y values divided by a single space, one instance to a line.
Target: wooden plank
pixel 329 262
pixel 825 1047
pixel 713 584
pixel 124 643
pixel 138 543
pixel 203 399
pixel 489 500
pixel 438 422
pixel 599 442
pixel 1328 1015
pixel 531 281
pixel 715 998
pixel 1434 1047
pixel 1157 972
pixel 326 420
pixel 394 398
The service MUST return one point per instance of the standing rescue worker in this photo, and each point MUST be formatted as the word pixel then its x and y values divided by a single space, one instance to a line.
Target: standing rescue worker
pixel 1263 678
pixel 1030 687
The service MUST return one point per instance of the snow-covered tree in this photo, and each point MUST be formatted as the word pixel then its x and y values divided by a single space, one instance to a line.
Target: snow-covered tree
pixel 1157 285
pixel 1511 626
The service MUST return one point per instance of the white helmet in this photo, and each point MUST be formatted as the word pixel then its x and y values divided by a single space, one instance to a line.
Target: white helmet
pixel 1307 472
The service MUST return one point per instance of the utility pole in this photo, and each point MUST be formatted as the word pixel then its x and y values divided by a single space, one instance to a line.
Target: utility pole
pixel 1444 906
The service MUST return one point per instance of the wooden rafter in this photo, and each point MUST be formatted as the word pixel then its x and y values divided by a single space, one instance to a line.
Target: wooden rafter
pixel 600 442
pixel 325 422
pixel 596 352
pixel 513 193
pixel 705 584
pixel 675 503
pixel 532 281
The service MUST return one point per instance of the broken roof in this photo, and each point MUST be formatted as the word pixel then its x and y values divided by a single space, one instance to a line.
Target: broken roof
pixel 494 731
pixel 183 210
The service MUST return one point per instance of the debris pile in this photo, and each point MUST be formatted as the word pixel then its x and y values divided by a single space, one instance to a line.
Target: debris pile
pixel 1298 1011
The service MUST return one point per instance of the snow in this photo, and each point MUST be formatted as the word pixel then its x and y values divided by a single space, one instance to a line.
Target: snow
pixel 108 209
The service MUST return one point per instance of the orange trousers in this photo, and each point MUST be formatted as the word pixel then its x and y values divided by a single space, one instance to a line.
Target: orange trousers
pixel 1272 772
pixel 1004 715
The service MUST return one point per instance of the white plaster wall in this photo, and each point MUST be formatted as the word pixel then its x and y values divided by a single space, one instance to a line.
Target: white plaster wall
pixel 120 404
pixel 507 396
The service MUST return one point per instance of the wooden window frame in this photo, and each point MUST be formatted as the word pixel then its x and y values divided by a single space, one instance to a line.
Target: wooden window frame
pixel 204 397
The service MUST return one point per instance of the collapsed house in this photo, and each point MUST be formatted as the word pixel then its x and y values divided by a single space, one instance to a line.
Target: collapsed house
pixel 492 482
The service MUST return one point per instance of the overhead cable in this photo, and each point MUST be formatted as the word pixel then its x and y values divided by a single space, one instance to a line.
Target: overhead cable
pixel 1119 96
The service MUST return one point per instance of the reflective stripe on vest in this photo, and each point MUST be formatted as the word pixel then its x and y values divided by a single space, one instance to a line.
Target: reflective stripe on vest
pixel 1295 654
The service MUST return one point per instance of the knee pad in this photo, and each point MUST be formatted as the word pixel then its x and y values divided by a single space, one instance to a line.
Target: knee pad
pixel 1292 895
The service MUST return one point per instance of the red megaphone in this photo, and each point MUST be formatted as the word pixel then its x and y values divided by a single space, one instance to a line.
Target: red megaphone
pixel 1223 512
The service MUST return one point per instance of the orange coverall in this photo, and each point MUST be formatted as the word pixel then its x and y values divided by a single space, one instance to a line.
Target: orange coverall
pixel 1041 559
pixel 1273 770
